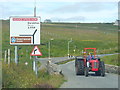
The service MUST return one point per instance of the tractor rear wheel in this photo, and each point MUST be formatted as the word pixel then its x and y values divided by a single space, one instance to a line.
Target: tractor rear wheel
pixel 102 68
pixel 76 68
pixel 86 71
pixel 79 67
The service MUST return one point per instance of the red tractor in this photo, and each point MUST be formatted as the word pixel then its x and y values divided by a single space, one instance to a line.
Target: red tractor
pixel 84 65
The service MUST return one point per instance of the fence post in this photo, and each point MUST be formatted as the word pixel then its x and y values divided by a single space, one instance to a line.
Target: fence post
pixel 30 57
pixel 8 56
pixel 5 56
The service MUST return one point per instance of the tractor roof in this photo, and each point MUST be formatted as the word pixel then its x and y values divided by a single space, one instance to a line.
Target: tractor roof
pixel 90 48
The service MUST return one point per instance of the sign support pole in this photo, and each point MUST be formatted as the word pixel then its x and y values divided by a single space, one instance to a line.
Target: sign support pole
pixel 5 56
pixel 35 52
pixel 35 65
pixel 16 55
pixel 34 61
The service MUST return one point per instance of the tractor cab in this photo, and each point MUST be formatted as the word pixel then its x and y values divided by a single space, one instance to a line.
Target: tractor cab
pixel 92 54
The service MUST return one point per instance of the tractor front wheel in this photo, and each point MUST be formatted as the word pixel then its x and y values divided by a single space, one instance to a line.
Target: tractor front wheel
pixel 102 68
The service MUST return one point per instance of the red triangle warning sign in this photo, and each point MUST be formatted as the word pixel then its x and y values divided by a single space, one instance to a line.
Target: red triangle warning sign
pixel 36 52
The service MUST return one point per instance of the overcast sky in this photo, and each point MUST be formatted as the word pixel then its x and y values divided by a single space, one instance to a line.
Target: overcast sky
pixel 62 10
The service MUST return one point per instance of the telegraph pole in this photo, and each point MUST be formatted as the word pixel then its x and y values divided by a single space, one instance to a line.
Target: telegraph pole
pixel 34 8
pixel 69 47
pixel 35 57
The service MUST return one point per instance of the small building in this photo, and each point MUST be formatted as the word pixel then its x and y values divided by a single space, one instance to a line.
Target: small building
pixel 47 21
pixel 117 23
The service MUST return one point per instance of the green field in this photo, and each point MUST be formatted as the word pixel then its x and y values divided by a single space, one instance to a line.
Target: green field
pixel 104 37
pixel 112 59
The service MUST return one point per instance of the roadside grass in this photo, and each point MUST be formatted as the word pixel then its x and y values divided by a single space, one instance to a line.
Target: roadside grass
pixel 0 74
pixel 22 76
pixel 112 59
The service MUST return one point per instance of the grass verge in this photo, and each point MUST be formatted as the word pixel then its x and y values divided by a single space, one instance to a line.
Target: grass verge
pixel 112 59
pixel 0 75
pixel 22 76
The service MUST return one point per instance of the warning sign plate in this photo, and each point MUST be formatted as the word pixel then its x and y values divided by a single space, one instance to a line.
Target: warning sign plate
pixel 36 52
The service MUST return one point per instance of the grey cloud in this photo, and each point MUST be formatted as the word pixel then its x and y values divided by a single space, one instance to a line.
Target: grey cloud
pixel 15 8
pixel 68 8
pixel 76 18
pixel 11 12
pixel 83 6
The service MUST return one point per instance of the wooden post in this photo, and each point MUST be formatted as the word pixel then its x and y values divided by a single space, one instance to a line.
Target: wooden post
pixel 110 49
pixel 30 57
pixel 8 56
pixel 5 56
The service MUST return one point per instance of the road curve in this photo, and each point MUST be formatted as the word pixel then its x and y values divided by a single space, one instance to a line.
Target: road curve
pixel 109 81
pixel 73 81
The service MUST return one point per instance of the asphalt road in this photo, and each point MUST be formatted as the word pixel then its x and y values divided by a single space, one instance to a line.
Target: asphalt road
pixel 92 81
pixel 43 61
pixel 58 59
pixel 53 59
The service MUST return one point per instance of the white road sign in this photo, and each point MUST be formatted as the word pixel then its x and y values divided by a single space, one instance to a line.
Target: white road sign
pixel 24 30
pixel 36 52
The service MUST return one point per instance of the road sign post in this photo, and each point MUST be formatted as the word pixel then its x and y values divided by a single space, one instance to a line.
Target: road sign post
pixel 16 55
pixel 35 52
pixel 36 66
